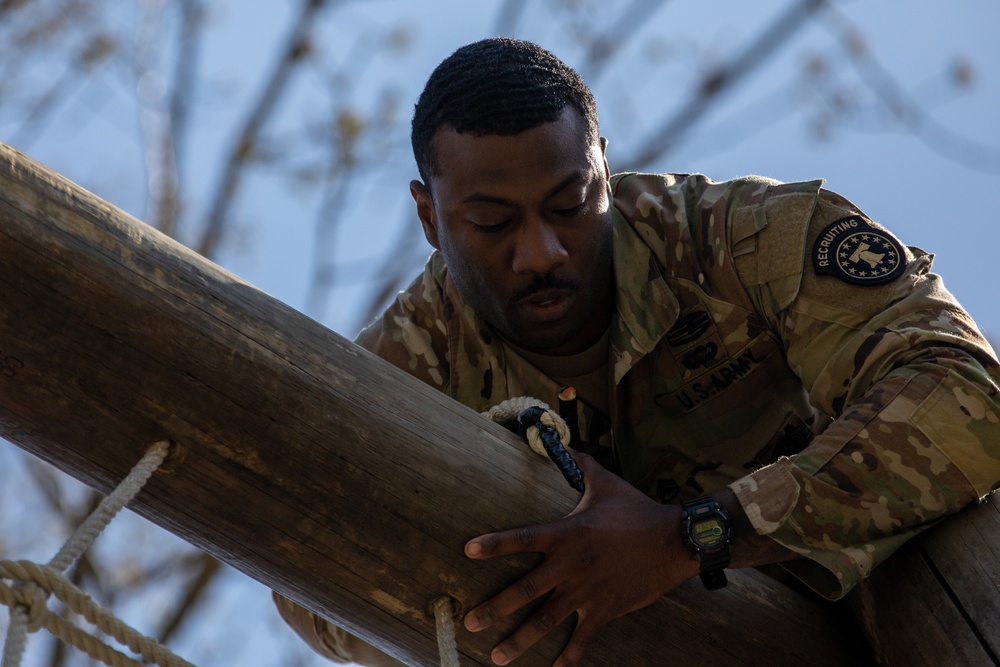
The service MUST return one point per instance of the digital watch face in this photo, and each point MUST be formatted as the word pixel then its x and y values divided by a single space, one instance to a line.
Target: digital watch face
pixel 708 532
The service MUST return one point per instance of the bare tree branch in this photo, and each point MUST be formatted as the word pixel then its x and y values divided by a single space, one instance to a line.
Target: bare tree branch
pixel 154 122
pixel 207 571
pixel 327 221
pixel 392 274
pixel 603 49
pixel 189 49
pixel 508 17
pixel 903 108
pixel 674 128
pixel 296 49
pixel 352 142
pixel 182 91
pixel 88 60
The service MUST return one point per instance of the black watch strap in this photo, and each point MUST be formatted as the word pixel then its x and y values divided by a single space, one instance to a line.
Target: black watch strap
pixel 713 568
pixel 715 560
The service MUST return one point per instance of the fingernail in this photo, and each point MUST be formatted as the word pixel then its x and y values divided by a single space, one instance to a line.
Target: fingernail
pixel 471 622
pixel 473 549
pixel 499 658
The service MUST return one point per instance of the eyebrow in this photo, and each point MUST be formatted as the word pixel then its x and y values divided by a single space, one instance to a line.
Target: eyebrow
pixel 562 185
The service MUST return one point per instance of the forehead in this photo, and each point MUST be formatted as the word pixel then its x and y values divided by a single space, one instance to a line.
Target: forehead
pixel 525 162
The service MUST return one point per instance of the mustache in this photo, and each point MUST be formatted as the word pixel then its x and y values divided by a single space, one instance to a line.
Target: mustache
pixel 546 282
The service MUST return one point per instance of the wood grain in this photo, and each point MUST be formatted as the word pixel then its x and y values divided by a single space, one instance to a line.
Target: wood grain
pixel 937 602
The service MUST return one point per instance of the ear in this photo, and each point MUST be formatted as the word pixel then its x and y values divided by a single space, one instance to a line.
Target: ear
pixel 425 211
pixel 604 156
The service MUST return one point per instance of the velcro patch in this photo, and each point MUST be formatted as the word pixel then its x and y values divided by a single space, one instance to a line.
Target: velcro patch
pixel 854 251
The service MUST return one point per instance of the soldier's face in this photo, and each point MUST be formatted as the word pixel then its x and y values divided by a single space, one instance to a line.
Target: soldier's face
pixel 524 224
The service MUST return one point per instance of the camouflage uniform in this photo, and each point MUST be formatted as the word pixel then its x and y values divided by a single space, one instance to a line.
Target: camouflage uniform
pixel 769 337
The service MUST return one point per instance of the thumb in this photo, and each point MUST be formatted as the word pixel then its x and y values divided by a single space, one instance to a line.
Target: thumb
pixel 592 471
pixel 585 461
pixel 590 466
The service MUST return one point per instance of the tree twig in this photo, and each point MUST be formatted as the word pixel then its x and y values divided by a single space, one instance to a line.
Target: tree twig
pixel 189 35
pixel 208 569
pixel 602 50
pixel 508 17
pixel 674 128
pixel 296 49
pixel 907 111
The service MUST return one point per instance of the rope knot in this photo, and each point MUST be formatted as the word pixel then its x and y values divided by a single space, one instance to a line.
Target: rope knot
pixel 27 595
pixel 35 603
pixel 32 584
pixel 510 410
pixel 545 430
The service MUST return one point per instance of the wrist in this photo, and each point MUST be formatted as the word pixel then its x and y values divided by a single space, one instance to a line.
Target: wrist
pixel 707 531
pixel 749 549
pixel 684 563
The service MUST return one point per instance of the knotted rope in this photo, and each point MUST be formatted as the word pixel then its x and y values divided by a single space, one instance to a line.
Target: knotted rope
pixel 28 596
pixel 546 432
pixel 510 410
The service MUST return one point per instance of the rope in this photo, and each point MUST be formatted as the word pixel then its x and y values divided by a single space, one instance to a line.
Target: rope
pixel 444 616
pixel 511 409
pixel 99 519
pixel 17 637
pixel 28 597
pixel 546 432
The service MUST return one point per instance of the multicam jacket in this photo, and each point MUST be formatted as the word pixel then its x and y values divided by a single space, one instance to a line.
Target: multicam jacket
pixel 768 337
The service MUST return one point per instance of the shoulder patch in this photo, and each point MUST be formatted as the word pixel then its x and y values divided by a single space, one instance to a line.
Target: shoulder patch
pixel 858 253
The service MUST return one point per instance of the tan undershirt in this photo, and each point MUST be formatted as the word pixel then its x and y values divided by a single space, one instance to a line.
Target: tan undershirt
pixel 586 371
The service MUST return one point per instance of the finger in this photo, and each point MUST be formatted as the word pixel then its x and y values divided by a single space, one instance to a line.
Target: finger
pixel 529 587
pixel 578 646
pixel 547 617
pixel 592 475
pixel 519 540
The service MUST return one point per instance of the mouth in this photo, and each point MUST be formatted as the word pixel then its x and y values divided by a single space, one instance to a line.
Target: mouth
pixel 547 305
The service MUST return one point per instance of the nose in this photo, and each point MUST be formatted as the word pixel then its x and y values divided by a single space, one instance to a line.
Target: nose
pixel 537 248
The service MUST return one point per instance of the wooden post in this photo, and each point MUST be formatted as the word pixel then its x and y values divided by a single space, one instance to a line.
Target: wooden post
pixel 938 601
pixel 302 460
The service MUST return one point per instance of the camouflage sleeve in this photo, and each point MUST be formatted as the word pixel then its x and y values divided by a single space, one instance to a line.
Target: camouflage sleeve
pixel 908 383
pixel 412 333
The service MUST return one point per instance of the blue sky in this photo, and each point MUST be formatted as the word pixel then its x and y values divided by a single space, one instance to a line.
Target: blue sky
pixel 928 199
pixel 764 125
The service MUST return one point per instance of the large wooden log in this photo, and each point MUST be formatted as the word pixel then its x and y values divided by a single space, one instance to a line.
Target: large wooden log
pixel 302 460
pixel 938 601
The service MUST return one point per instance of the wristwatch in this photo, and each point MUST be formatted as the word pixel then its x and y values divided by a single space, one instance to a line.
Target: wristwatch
pixel 708 532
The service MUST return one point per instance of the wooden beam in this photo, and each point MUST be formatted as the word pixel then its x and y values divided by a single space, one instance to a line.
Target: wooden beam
pixel 938 601
pixel 304 461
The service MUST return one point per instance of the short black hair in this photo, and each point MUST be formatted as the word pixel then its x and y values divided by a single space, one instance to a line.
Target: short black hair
pixel 496 86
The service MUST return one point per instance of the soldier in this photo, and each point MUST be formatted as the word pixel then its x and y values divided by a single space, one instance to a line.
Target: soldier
pixel 765 374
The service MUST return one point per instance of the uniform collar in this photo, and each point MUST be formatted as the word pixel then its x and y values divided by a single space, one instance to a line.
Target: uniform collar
pixel 646 308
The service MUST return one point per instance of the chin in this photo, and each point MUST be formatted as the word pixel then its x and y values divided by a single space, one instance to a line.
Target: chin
pixel 543 342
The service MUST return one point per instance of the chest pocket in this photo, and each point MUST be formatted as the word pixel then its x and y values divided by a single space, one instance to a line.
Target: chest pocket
pixel 713 349
pixel 727 403
pixel 695 372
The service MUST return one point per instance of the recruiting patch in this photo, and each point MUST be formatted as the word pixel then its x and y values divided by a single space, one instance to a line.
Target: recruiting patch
pixel 854 251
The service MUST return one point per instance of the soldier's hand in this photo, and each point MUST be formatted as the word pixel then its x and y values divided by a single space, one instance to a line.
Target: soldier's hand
pixel 616 552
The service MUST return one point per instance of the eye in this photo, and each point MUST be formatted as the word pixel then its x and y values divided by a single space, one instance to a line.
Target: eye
pixel 491 228
pixel 570 212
